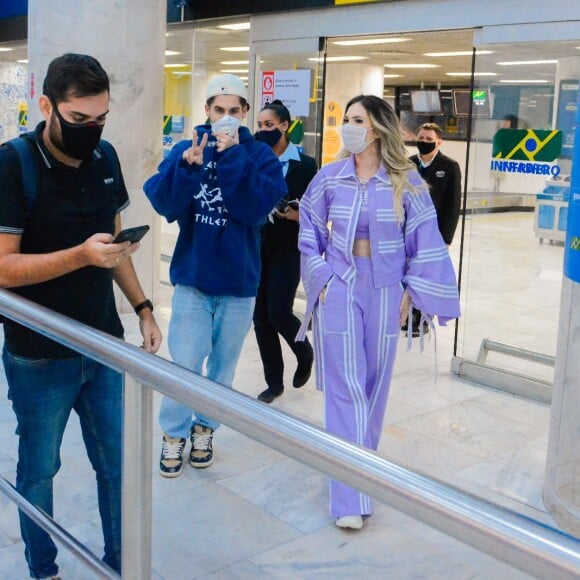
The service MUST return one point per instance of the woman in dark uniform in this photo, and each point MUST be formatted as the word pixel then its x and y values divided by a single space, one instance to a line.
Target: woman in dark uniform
pixel 280 275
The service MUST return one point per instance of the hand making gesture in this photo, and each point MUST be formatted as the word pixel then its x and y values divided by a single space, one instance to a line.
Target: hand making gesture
pixel 195 153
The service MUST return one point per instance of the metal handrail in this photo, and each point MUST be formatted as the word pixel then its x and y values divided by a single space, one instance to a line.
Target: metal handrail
pixel 535 548
pixel 58 532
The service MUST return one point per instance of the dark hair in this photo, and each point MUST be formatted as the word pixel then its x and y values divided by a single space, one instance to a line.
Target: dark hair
pixel 244 104
pixel 74 75
pixel 513 121
pixel 431 127
pixel 280 111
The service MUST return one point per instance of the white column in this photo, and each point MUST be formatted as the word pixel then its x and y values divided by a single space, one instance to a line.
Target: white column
pixel 562 485
pixel 345 80
pixel 128 39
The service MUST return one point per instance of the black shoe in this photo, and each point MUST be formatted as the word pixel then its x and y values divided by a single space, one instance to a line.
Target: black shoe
pixel 303 370
pixel 269 395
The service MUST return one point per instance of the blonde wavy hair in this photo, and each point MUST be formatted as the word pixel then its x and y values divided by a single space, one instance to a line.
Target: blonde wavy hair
pixel 392 152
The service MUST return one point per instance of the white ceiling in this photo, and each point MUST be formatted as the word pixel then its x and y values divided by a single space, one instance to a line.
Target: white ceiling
pixel 210 41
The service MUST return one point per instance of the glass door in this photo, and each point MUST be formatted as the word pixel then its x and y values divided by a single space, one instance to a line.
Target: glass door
pixel 522 106
pixel 293 72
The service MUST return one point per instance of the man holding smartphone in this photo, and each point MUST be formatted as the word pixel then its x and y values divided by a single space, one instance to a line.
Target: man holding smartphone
pixel 219 186
pixel 56 250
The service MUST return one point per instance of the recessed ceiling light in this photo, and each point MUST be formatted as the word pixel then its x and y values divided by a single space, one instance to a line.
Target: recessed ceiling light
pixel 5 49
pixel 236 48
pixel 524 81
pixel 171 53
pixel 338 58
pixel 175 65
pixel 238 26
pixel 458 53
pixel 234 70
pixel 416 65
pixel 370 41
pixel 22 61
pixel 518 62
pixel 181 73
pixel 235 62
pixel 468 74
pixel 391 76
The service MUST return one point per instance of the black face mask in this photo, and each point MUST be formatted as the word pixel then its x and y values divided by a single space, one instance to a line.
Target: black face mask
pixel 426 147
pixel 269 137
pixel 79 140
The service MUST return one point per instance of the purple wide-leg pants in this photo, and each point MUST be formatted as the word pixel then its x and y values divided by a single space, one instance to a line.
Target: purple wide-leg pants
pixel 356 333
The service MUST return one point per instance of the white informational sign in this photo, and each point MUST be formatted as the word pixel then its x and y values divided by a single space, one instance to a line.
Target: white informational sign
pixel 292 87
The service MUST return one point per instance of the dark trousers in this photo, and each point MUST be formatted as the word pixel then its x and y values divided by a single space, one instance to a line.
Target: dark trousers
pixel 273 314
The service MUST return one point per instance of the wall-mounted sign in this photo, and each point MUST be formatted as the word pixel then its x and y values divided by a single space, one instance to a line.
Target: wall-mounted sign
pixel 572 248
pixel 567 105
pixel 201 9
pixel 331 141
pixel 292 87
pixel 521 150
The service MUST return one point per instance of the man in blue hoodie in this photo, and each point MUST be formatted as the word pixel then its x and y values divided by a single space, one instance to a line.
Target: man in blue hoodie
pixel 220 186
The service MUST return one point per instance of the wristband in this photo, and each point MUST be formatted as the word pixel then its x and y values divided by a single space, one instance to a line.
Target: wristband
pixel 145 304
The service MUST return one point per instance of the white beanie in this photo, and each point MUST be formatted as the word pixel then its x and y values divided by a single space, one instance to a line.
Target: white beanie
pixel 227 84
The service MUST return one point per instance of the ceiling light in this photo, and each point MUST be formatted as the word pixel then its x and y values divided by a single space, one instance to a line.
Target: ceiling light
pixel 234 70
pixel 23 61
pixel 235 62
pixel 171 53
pixel 238 26
pixel 517 62
pixel 468 74
pixel 417 65
pixel 458 53
pixel 529 81
pixel 236 48
pixel 370 41
pixel 175 65
pixel 391 76
pixel 338 58
pixel 181 73
pixel 244 78
pixel 4 49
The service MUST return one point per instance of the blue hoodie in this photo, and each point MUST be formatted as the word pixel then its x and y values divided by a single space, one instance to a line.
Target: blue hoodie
pixel 220 208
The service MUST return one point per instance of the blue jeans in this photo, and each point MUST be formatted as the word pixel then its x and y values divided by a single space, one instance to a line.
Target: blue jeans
pixel 43 393
pixel 204 327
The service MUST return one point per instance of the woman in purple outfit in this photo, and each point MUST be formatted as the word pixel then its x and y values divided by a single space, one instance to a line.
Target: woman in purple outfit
pixel 370 247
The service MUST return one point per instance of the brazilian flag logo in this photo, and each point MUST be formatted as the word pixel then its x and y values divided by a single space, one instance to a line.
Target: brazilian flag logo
pixel 527 144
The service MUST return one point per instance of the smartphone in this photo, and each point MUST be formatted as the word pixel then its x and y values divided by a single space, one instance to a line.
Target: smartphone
pixel 131 234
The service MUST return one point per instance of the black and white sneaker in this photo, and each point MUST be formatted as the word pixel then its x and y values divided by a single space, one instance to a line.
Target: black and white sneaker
pixel 171 462
pixel 201 454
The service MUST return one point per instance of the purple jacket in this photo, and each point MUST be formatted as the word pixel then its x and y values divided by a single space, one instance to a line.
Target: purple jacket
pixel 412 253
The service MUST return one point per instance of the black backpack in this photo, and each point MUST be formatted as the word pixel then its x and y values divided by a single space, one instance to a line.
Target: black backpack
pixel 23 149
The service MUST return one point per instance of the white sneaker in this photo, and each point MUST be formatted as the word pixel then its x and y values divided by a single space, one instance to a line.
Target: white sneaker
pixel 351 522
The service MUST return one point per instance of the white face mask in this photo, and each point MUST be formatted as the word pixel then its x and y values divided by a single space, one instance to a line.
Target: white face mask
pixel 354 138
pixel 226 124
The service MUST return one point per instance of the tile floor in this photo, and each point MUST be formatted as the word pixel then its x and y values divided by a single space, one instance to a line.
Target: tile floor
pixel 259 514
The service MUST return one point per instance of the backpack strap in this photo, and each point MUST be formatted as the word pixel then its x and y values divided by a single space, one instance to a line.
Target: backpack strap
pixel 23 149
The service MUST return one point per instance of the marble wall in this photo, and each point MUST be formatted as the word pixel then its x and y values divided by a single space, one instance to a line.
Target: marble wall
pixel 12 92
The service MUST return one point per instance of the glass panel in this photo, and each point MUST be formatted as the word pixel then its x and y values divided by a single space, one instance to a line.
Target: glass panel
pixel 295 78
pixel 517 201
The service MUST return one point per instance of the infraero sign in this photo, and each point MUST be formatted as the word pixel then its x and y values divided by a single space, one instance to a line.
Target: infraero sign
pixel 528 151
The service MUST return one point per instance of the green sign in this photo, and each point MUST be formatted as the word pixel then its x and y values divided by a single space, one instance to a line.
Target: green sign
pixel 527 144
